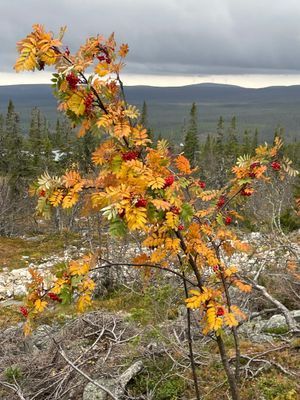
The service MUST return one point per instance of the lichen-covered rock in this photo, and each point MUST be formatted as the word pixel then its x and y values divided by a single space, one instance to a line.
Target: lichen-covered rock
pixel 115 386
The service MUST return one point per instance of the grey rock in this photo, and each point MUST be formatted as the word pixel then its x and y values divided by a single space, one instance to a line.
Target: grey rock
pixel 276 321
pixel 296 315
pixel 115 386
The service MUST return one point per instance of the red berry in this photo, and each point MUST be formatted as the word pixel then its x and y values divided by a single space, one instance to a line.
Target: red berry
pixel 72 80
pixel 175 210
pixel 180 227
pixel 221 202
pixel 216 268
pixel 24 311
pixel 121 213
pixel 141 203
pixel 202 184
pixel 276 165
pixel 42 193
pixel 246 192
pixel 130 155
pixel 220 311
pixel 88 103
pixel 169 180
pixel 228 220
pixel 255 164
pixel 54 297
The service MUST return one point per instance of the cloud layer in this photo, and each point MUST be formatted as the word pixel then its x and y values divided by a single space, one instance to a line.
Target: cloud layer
pixel 186 37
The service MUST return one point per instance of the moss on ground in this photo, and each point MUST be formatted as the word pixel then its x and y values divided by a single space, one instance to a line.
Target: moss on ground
pixel 18 252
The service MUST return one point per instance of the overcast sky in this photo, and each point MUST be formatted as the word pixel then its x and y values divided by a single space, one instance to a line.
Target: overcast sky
pixel 172 42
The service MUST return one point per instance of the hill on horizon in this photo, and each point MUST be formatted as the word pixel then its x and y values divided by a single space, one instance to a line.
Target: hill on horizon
pixel 168 107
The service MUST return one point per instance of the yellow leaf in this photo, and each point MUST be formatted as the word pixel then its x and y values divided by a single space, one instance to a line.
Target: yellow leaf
pixel 230 271
pixel 79 267
pixel 230 320
pixel 158 255
pixel 136 218
pixel 161 204
pixel 56 197
pixel 87 285
pixel 27 328
pixel 156 183
pixel 123 50
pixel 76 103
pixel 213 321
pixel 172 220
pixel 40 305
pixel 70 199
pixel 84 302
pixel 102 69
pixel 122 129
pixel 198 298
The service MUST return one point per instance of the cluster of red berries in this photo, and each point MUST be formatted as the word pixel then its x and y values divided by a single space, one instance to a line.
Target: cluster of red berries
pixel 221 202
pixel 180 227
pixel 228 220
pixel 24 311
pixel 220 311
pixel 105 56
pixel 175 210
pixel 169 180
pixel 130 155
pixel 246 192
pixel 88 103
pixel 254 165
pixel 141 203
pixel 72 80
pixel 202 184
pixel 54 297
pixel 276 165
pixel 42 193
pixel 216 268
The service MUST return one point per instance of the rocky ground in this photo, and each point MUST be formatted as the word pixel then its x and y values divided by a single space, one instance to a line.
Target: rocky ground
pixel 134 344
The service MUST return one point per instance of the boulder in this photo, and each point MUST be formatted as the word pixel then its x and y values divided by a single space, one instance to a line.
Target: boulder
pixel 116 386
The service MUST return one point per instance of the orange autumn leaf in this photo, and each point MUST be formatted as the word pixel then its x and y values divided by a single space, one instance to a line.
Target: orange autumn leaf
pixel 183 165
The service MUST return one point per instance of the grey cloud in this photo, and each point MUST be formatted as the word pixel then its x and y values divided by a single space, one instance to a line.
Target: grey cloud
pixel 171 36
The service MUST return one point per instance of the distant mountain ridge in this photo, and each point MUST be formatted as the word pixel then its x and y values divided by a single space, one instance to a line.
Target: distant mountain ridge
pixel 168 107
pixel 41 94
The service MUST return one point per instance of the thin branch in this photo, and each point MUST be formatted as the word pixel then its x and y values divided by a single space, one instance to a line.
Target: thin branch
pixel 114 264
pixel 63 354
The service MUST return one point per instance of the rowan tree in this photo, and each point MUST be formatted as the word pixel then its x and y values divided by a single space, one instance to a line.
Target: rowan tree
pixel 187 228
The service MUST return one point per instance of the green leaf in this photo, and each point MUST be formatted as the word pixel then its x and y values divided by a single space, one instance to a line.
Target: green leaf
pixel 116 163
pixel 243 181
pixel 75 280
pixel 66 295
pixel 187 212
pixel 184 183
pixel 219 219
pixel 117 228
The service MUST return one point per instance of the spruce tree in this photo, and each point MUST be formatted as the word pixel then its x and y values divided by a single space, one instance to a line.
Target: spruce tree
pixel 246 145
pixel 254 143
pixel 220 134
pixel 191 143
